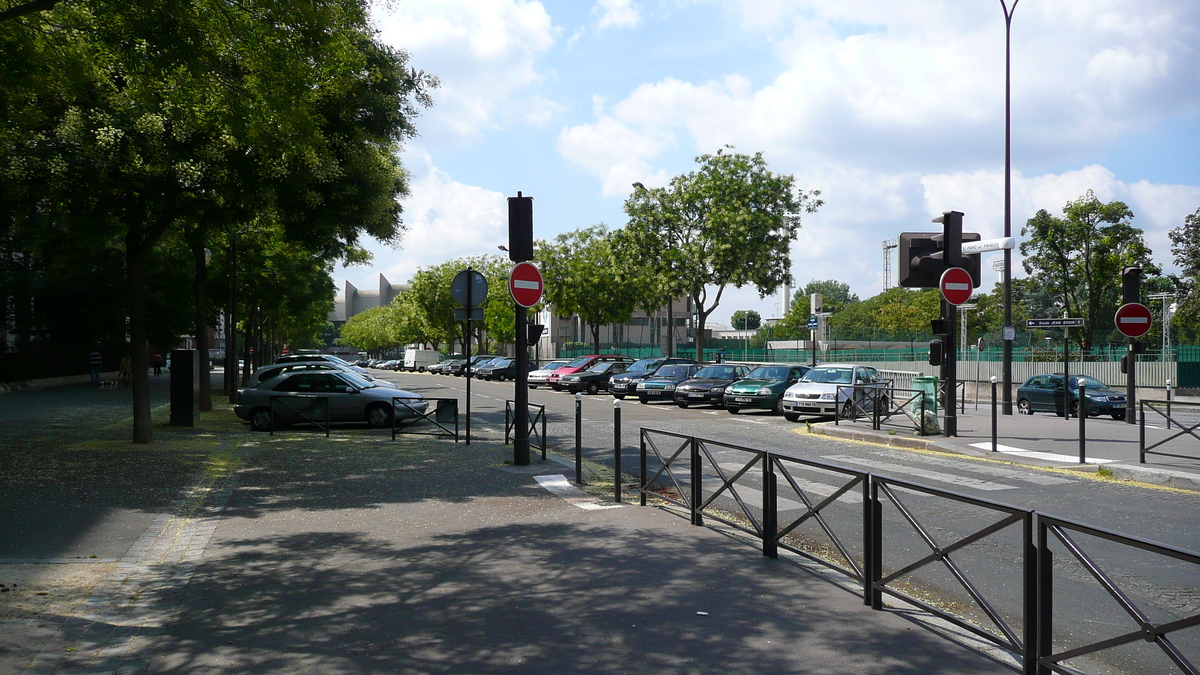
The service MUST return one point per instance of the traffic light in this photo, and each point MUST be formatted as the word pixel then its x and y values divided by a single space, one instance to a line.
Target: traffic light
pixel 520 228
pixel 1131 285
pixel 935 352
pixel 533 332
pixel 1124 364
pixel 1139 347
pixel 921 259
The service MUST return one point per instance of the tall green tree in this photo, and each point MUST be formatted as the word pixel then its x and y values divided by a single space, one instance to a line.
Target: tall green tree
pixel 897 314
pixel 1185 247
pixel 1079 258
pixel 582 274
pixel 730 222
pixel 745 319
pixel 835 295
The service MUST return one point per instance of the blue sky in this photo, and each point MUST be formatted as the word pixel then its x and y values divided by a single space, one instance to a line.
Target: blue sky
pixel 894 110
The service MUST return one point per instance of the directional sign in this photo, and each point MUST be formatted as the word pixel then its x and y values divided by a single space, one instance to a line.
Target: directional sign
pixel 460 314
pixel 1064 322
pixel 1001 244
pixel 1133 319
pixel 956 285
pixel 813 323
pixel 525 284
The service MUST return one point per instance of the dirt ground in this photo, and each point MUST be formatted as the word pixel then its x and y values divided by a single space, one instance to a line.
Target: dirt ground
pixel 48 590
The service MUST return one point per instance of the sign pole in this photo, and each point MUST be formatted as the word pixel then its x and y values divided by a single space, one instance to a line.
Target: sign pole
pixel 521 395
pixel 467 351
pixel 1066 373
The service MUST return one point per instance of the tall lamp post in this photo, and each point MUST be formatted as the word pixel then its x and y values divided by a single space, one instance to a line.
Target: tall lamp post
pixel 1008 327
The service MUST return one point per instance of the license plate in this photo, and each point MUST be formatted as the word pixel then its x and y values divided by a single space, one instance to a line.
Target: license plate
pixel 741 399
pixel 1121 404
pixel 618 387
pixel 696 395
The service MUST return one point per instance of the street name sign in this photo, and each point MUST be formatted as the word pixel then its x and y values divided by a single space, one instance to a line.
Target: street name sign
pixel 985 245
pixel 956 285
pixel 1133 319
pixel 525 284
pixel 1063 322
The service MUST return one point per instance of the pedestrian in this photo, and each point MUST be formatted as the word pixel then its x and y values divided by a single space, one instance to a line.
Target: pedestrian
pixel 95 360
pixel 126 371
pixel 158 364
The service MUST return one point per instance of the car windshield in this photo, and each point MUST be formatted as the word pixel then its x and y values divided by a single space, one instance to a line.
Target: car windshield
pixel 672 371
pixel 769 373
pixel 600 367
pixel 335 359
pixel 829 375
pixel 717 372
pixel 553 366
pixel 504 363
pixel 1089 382
pixel 646 364
pixel 579 363
pixel 356 380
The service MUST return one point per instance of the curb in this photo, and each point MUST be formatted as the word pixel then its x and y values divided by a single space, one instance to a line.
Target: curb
pixel 1178 480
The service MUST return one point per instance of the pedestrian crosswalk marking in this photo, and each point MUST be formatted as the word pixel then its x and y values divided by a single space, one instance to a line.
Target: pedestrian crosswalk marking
pixel 1035 477
pixel 1033 454
pixel 964 481
pixel 558 486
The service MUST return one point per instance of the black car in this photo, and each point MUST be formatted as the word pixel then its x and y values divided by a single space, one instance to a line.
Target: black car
pixel 1044 393
pixel 708 385
pixel 626 383
pixel 475 362
pixel 662 385
pixel 498 369
pixel 593 379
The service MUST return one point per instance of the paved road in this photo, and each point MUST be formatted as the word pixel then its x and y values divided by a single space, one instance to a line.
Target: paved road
pixel 1169 516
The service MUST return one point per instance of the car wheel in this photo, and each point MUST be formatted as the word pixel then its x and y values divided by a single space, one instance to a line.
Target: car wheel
pixel 1118 416
pixel 1023 407
pixel 791 417
pixel 378 415
pixel 593 388
pixel 643 400
pixel 533 386
pixel 1075 409
pixel 778 410
pixel 421 369
pixel 681 404
pixel 260 419
pixel 733 410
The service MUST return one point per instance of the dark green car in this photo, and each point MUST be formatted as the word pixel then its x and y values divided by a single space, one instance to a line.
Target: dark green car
pixel 763 388
pixel 1044 393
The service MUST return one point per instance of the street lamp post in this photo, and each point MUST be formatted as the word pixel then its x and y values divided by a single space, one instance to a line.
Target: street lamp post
pixel 1008 343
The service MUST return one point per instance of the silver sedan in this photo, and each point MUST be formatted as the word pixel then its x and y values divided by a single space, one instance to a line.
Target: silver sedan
pixel 301 396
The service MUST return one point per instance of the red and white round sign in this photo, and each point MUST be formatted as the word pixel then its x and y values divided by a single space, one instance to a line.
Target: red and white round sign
pixel 1133 320
pixel 956 285
pixel 525 284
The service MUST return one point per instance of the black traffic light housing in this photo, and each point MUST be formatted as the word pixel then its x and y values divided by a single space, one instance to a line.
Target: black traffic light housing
pixel 921 259
pixel 533 333
pixel 1131 285
pixel 520 228
pixel 935 352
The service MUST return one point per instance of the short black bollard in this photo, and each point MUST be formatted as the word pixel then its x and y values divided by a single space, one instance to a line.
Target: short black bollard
pixel 579 438
pixel 1168 406
pixel 994 418
pixel 1082 410
pixel 617 449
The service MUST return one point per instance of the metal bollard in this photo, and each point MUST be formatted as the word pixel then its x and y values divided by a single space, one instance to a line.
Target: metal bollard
pixel 1082 419
pixel 579 438
pixel 1168 405
pixel 617 449
pixel 994 419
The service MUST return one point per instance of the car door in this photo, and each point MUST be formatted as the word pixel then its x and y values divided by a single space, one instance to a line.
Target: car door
pixel 1036 393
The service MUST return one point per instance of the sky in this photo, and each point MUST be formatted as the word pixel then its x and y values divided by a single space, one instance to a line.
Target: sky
pixel 893 110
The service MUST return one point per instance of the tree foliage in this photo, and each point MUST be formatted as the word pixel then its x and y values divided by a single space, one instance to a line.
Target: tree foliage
pixel 1185 247
pixel 1078 259
pixel 583 275
pixel 836 295
pixel 745 319
pixel 895 314
pixel 730 222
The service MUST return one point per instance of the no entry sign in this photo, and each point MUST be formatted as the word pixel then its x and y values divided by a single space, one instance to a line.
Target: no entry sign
pixel 956 285
pixel 1133 320
pixel 525 284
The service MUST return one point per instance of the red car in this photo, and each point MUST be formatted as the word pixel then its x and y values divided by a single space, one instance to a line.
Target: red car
pixel 581 364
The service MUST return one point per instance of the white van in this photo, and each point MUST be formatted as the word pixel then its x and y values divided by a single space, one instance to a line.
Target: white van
pixel 420 359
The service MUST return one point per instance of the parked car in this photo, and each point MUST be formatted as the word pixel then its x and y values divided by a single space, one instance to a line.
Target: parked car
pixel 594 379
pixel 763 387
pixel 538 377
pixel 1044 393
pixel 274 370
pixel 581 364
pixel 447 367
pixel 312 356
pixel 498 369
pixel 475 361
pixel 349 397
pixel 708 385
pixel 626 383
pixel 826 389
pixel 661 386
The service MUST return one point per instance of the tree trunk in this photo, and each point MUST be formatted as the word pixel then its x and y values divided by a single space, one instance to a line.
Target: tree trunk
pixel 595 328
pixel 201 320
pixel 231 354
pixel 135 262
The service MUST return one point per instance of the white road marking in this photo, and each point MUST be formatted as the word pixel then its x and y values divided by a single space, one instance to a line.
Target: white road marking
pixel 964 481
pixel 1033 454
pixel 1035 477
pixel 852 496
pixel 558 485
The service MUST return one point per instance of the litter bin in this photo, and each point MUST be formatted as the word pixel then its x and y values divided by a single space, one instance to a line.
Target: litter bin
pixel 927 404
pixel 447 411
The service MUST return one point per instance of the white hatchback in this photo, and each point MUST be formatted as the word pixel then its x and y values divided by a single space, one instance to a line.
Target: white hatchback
pixel 538 377
pixel 826 388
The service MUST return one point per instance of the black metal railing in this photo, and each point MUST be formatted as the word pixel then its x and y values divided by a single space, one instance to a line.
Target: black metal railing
pixel 307 413
pixel 1168 410
pixel 880 404
pixel 1143 626
pixel 440 415
pixel 717 480
pixel 537 413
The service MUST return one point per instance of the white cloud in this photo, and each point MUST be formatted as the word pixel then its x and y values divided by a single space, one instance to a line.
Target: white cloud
pixel 616 13
pixel 615 152
pixel 483 51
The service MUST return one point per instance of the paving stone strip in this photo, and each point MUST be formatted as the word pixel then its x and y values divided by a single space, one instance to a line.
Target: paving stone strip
pixel 117 630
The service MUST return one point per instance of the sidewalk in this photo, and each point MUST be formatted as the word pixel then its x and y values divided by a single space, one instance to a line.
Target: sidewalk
pixel 294 553
pixel 1044 439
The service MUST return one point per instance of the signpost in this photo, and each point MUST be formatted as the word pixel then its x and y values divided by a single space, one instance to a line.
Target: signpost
pixel 956 285
pixel 1065 323
pixel 525 286
pixel 813 324
pixel 1133 319
pixel 469 289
